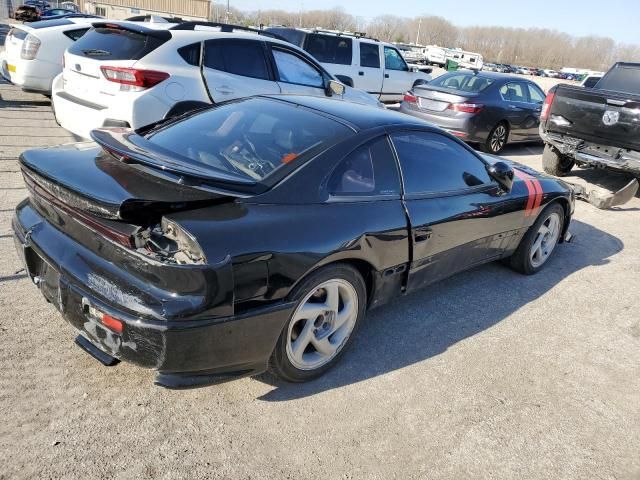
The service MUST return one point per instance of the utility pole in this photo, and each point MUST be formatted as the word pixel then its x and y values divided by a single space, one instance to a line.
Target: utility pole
pixel 226 16
pixel 418 35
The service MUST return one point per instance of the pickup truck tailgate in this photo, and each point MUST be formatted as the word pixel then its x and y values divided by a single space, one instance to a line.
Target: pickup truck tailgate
pixel 599 116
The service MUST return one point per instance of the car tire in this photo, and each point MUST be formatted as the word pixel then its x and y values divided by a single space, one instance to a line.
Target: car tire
pixel 554 163
pixel 497 139
pixel 540 241
pixel 308 347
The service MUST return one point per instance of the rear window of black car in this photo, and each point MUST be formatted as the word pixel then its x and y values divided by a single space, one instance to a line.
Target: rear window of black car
pixel 463 82
pixel 250 139
pixel 115 44
pixel 621 79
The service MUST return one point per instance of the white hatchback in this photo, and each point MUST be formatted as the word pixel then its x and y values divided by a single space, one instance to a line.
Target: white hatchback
pixel 130 75
pixel 33 51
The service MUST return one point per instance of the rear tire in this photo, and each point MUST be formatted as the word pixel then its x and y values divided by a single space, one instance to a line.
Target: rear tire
pixel 540 241
pixel 331 304
pixel 497 139
pixel 554 163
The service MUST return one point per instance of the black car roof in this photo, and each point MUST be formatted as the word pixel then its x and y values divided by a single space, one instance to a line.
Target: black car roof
pixel 362 117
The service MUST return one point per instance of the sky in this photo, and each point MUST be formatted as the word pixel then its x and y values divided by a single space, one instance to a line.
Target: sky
pixel 618 19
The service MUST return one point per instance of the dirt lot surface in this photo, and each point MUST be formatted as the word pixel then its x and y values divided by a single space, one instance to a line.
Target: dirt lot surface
pixel 489 374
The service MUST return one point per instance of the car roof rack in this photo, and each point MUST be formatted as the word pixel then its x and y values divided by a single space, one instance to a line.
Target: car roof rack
pixel 345 34
pixel 225 27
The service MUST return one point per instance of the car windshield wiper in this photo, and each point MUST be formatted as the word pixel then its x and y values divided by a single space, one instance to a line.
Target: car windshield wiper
pixel 96 52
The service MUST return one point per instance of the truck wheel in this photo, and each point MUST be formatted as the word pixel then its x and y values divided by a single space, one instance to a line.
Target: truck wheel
pixel 496 140
pixel 555 163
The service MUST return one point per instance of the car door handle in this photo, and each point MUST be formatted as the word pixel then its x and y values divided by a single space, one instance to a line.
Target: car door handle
pixel 513 107
pixel 386 75
pixel 422 234
pixel 361 74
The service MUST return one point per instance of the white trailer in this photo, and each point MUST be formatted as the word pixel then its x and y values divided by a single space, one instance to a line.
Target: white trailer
pixel 465 59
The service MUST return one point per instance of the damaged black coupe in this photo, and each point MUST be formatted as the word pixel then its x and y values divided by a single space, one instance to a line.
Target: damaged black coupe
pixel 256 234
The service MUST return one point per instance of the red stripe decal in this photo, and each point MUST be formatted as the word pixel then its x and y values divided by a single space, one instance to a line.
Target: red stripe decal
pixel 538 201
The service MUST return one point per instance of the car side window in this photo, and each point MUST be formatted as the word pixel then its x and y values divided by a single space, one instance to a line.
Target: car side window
pixel 190 53
pixel 393 60
pixel 239 57
pixel 330 48
pixel 369 55
pixel 76 34
pixel 433 163
pixel 293 69
pixel 535 94
pixel 370 170
pixel 513 92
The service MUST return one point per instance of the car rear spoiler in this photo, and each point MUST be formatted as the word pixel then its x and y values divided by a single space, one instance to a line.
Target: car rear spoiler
pixel 226 27
pixel 136 28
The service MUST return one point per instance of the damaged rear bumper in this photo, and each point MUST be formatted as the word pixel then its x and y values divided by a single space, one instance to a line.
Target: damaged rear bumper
pixel 594 154
pixel 186 351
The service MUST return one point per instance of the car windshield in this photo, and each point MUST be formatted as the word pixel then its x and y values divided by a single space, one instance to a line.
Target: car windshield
pixel 251 139
pixel 463 82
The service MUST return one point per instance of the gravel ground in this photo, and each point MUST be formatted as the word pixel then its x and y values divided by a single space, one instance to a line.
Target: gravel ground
pixel 489 374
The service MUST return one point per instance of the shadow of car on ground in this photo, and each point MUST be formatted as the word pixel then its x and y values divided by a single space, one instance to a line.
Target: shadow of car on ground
pixel 426 323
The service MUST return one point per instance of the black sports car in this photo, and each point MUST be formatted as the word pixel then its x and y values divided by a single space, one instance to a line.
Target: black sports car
pixel 259 232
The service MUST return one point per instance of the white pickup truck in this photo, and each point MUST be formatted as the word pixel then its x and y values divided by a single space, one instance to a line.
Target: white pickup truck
pixel 362 62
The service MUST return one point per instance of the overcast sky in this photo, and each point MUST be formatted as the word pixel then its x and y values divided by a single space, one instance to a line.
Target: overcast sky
pixel 618 19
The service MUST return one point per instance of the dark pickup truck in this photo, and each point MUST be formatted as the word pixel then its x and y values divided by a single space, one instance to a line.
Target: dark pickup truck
pixel 595 127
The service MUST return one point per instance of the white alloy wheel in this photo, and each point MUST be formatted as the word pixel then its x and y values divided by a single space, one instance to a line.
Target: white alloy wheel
pixel 545 241
pixel 322 324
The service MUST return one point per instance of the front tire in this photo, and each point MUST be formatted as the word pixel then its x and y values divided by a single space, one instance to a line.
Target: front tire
pixel 497 139
pixel 331 303
pixel 555 163
pixel 539 242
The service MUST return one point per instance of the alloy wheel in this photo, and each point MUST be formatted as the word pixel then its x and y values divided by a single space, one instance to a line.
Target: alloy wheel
pixel 321 324
pixel 498 138
pixel 545 240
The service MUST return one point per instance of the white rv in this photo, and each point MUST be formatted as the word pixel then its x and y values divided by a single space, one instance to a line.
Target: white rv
pixel 465 59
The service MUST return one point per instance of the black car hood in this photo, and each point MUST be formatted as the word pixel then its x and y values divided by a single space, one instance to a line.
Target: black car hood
pixel 85 177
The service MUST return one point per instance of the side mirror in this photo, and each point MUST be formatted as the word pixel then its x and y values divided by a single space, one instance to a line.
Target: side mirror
pixel 334 87
pixel 503 174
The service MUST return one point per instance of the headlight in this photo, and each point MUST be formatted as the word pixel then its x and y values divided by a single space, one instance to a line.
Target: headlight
pixel 30 47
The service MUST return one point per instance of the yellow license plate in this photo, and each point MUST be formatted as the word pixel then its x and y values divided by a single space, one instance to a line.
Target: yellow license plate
pixel 11 68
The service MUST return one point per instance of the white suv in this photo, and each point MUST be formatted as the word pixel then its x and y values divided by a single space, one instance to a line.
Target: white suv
pixel 366 63
pixel 33 51
pixel 124 74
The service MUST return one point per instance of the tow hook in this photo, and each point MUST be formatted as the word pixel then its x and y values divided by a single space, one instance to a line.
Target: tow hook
pixel 568 237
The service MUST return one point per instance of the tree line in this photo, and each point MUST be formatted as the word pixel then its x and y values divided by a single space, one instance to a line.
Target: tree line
pixel 533 47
